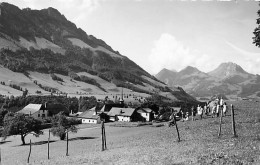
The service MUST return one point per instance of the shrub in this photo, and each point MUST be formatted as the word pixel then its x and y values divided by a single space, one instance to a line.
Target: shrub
pixel 61 125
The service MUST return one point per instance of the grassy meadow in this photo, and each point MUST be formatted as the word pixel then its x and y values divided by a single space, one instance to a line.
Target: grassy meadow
pixel 149 144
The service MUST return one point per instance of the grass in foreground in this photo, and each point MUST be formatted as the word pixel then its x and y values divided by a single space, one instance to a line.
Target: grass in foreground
pixel 153 145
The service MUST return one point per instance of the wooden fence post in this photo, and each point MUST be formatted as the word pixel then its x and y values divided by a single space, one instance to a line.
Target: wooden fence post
pixel 28 160
pixel 233 121
pixel 220 122
pixel 67 151
pixel 49 145
pixel 102 136
pixel 105 139
pixel 0 157
pixel 192 114
pixel 176 128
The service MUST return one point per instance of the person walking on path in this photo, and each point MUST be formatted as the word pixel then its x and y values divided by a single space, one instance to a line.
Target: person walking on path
pixel 199 111
pixel 192 112
pixel 205 109
pixel 224 109
pixel 217 110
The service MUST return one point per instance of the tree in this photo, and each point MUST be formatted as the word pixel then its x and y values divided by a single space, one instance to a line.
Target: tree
pixel 3 112
pixel 20 124
pixel 61 124
pixel 256 38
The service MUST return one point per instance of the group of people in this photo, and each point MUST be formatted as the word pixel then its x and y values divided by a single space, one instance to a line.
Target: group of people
pixel 210 108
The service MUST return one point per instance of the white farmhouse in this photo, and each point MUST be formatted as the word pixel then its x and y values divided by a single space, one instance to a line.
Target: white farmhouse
pixel 90 116
pixel 122 114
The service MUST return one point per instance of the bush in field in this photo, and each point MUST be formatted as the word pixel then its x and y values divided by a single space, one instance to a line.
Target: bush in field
pixel 19 124
pixel 61 124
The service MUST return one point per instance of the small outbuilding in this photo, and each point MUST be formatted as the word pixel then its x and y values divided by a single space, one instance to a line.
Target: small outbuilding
pixel 146 113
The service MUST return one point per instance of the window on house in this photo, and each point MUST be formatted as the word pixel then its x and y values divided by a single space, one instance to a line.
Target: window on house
pixel 43 115
pixel 89 121
pixel 39 115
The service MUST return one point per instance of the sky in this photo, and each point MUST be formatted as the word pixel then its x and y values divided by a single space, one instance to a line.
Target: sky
pixel 169 34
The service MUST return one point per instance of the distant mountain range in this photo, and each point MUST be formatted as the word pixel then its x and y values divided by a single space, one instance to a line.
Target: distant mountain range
pixel 229 79
pixel 43 52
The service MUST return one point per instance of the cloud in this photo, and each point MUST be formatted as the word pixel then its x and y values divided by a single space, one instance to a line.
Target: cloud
pixel 170 53
pixel 250 61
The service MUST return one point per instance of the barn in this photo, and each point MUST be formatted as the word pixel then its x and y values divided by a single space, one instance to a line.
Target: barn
pixel 43 110
pixel 34 110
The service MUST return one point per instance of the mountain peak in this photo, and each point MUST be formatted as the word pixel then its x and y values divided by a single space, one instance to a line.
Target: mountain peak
pixel 227 69
pixel 165 73
pixel 189 70
pixel 54 13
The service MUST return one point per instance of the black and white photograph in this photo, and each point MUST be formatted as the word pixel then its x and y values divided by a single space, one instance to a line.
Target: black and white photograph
pixel 130 82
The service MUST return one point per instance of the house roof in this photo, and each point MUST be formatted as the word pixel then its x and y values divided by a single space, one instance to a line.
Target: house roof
pixel 121 112
pixel 30 109
pixel 88 115
pixel 145 110
pixel 92 109
pixel 108 107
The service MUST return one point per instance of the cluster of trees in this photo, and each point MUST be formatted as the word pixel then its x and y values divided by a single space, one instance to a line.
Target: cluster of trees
pixel 16 87
pixel 2 82
pixel 20 124
pixel 85 79
pixel 46 88
pixel 15 104
pixel 56 78
pixel 75 60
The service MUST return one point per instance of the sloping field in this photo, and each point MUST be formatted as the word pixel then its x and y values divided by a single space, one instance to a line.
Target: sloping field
pixel 151 145
pixel 67 86
pixel 41 43
pixel 105 84
pixel 72 87
pixel 4 43
pixel 81 44
pixel 9 77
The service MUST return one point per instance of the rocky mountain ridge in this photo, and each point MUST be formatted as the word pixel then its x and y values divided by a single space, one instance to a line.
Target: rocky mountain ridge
pixel 228 78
